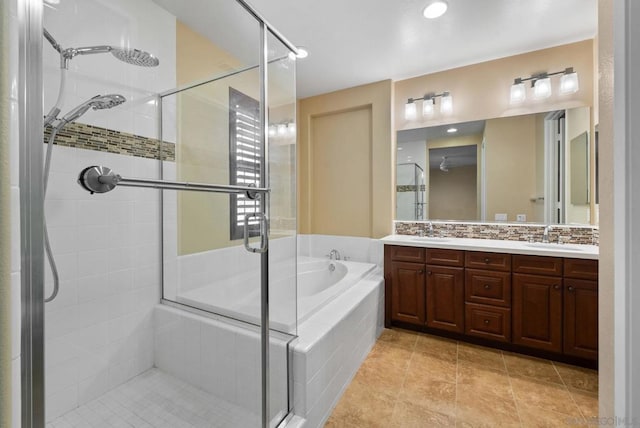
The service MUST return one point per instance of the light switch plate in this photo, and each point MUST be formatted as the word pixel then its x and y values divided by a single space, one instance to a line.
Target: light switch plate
pixel 521 217
pixel 501 217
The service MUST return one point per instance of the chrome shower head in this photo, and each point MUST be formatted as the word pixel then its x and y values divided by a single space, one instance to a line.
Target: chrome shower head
pixel 135 57
pixel 99 102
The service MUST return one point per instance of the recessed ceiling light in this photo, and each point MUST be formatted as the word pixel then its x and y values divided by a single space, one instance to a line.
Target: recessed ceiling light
pixel 399 148
pixel 435 9
pixel 452 130
pixel 302 53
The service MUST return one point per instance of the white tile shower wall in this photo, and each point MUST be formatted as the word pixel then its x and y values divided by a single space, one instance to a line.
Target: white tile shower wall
pixel 107 247
pixel 331 345
pixel 14 211
pixel 355 248
pixel 218 357
pixel 140 24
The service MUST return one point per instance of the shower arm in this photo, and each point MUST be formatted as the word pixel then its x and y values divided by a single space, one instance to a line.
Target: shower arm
pixel 100 179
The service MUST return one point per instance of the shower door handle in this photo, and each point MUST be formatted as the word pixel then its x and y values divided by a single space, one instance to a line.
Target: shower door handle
pixel 264 240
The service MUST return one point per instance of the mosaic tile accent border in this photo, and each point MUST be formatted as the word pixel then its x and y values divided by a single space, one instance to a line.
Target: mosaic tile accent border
pixel 81 136
pixel 510 232
pixel 409 188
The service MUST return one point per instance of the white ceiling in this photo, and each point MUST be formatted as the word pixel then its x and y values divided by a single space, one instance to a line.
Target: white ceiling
pixel 352 42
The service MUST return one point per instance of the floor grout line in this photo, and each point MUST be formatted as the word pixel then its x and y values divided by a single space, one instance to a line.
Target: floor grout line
pixel 513 393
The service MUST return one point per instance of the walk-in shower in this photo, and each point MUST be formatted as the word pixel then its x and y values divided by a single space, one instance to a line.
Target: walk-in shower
pixel 201 194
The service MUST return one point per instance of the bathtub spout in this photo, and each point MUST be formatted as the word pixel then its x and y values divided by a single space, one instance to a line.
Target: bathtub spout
pixel 334 255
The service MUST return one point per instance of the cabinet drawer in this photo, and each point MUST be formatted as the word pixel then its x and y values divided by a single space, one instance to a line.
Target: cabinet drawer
pixel 537 265
pixel 581 269
pixel 436 256
pixel 488 322
pixel 407 254
pixel 488 287
pixel 492 261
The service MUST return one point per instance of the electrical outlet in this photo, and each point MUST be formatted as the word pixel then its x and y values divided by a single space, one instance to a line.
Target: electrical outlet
pixel 501 217
pixel 521 217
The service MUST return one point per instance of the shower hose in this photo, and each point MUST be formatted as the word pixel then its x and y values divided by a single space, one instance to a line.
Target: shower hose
pixel 47 166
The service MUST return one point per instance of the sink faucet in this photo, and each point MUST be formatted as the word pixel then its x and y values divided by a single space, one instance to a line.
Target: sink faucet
pixel 545 234
pixel 334 255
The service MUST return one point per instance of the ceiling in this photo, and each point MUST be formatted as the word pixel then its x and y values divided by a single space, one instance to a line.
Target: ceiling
pixel 353 42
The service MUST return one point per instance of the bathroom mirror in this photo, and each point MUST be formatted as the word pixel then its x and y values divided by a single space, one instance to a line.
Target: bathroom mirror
pixel 530 168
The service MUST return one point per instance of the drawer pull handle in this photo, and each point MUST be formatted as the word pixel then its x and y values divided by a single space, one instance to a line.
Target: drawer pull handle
pixel 486 260
pixel 486 321
pixel 487 286
pixel 570 288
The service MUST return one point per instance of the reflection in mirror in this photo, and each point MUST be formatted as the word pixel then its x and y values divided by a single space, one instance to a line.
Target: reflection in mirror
pixel 411 189
pixel 519 168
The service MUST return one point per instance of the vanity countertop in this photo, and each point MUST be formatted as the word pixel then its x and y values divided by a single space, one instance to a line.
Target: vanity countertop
pixel 497 246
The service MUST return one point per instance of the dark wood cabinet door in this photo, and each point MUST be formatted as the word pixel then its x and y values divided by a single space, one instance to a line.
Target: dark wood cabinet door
pixel 445 298
pixel 408 292
pixel 537 311
pixel 581 318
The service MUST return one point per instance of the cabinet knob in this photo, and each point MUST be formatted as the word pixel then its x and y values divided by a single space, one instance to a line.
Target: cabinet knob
pixel 429 272
pixel 420 272
pixel 557 287
pixel 570 288
pixel 487 286
pixel 486 260
pixel 486 321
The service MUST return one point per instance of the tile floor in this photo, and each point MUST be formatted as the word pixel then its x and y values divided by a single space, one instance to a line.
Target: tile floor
pixel 416 380
pixel 157 400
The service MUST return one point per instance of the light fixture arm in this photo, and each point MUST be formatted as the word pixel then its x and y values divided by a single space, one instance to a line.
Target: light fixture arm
pixel 534 77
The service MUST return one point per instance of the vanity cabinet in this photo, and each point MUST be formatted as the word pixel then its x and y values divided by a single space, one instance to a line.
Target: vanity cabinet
pixel 581 308
pixel 445 298
pixel 408 293
pixel 549 304
pixel 488 295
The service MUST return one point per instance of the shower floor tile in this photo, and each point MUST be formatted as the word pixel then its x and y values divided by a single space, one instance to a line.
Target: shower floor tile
pixel 156 399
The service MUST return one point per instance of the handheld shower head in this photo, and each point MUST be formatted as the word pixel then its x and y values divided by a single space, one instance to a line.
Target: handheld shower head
pixel 99 102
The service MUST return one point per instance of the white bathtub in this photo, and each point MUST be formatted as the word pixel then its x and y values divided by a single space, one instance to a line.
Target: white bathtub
pixel 319 282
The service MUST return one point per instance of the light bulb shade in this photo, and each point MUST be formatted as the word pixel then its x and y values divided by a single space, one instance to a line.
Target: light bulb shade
pixel 569 83
pixel 282 129
pixel 446 104
pixel 542 88
pixel 272 130
pixel 427 107
pixel 291 127
pixel 410 112
pixel 518 93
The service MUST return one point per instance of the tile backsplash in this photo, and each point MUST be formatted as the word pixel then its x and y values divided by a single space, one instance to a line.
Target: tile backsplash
pixel 567 234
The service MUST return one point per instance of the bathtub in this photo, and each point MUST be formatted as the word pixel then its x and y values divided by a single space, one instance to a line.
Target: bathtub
pixel 319 281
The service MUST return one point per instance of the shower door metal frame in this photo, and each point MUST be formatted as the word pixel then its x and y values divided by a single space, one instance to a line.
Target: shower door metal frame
pixel 31 183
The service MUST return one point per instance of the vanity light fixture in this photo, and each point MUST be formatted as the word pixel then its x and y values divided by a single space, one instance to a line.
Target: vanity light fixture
pixel 428 105
pixel 282 129
pixel 435 9
pixel 541 84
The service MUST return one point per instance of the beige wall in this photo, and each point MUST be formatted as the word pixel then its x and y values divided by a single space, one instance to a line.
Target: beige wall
pixel 510 162
pixel 456 141
pixel 481 91
pixel 578 121
pixel 345 157
pixel 453 194
pixel 606 312
pixel 202 153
